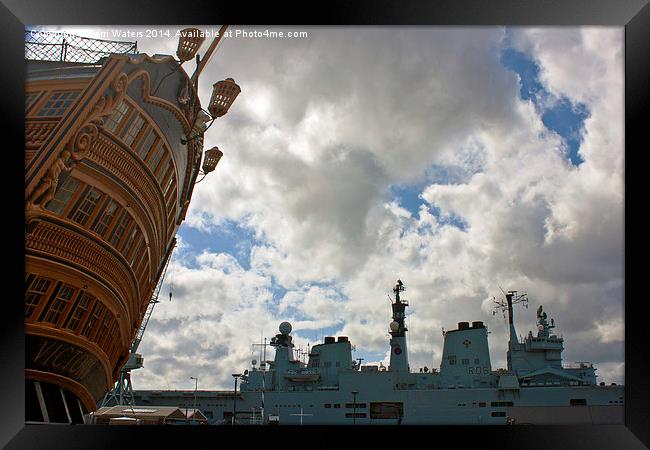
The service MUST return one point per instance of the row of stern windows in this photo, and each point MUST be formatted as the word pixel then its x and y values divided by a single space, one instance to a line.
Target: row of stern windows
pixel 125 123
pixel 99 213
pixel 49 104
pixel 65 307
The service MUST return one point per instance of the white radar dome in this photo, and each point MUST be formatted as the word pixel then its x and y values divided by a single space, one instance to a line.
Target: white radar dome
pixel 394 326
pixel 285 328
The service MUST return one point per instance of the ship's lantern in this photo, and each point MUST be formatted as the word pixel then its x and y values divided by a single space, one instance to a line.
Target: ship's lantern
pixel 224 93
pixel 189 43
pixel 211 158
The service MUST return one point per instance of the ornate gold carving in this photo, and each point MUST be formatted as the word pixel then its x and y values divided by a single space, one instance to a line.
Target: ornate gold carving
pixel 161 102
pixel 77 147
pixel 112 156
pixel 186 106
pixel 55 240
pixel 36 131
pixel 45 190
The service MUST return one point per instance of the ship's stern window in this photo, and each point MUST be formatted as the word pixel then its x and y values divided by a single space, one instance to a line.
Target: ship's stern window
pixel 57 104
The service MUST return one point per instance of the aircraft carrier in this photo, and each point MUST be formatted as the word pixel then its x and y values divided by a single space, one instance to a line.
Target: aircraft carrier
pixel 332 388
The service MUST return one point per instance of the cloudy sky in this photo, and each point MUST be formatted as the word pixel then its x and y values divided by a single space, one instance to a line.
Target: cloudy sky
pixel 460 160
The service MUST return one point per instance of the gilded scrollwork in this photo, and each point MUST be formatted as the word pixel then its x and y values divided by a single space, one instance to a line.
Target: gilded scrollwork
pixel 78 146
pixel 160 102
pixel 45 190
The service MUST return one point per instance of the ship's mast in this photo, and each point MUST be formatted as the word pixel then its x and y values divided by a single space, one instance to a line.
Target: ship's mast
pixel 263 370
pixel 511 299
pixel 398 354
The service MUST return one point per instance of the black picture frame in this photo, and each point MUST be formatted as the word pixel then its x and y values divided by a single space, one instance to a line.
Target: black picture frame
pixel 634 15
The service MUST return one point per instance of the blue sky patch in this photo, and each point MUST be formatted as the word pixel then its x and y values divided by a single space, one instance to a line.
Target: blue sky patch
pixel 559 115
pixel 227 237
pixel 567 120
pixel 408 196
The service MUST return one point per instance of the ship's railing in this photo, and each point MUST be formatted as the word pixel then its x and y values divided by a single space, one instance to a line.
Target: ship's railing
pixel 54 46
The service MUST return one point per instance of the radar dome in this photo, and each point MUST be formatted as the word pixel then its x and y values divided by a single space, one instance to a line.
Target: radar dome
pixel 285 328
pixel 394 326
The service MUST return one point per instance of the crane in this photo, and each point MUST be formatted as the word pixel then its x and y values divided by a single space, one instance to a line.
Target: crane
pixel 122 392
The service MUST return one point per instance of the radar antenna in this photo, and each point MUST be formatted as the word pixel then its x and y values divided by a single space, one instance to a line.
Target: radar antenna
pixel 511 298
pixel 502 304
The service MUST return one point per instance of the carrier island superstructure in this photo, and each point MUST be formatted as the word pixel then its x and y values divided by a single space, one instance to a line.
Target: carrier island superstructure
pixel 333 388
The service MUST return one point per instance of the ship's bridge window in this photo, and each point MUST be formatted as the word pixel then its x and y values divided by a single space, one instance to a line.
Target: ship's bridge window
pixel 327 405
pixel 355 405
pixel 578 401
pixel 465 361
pixel 502 404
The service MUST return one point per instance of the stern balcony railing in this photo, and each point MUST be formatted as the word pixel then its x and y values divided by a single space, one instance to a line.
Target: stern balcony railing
pixel 64 47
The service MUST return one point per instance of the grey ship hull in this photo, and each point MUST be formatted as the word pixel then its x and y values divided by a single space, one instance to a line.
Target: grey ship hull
pixel 537 405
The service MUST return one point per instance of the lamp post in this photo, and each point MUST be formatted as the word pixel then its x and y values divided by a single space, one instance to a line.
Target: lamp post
pixel 234 407
pixel 189 43
pixel 196 385
pixel 354 405
pixel 224 92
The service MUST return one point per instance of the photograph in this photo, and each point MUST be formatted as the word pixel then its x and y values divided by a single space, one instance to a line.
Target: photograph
pixel 324 225
pixel 364 221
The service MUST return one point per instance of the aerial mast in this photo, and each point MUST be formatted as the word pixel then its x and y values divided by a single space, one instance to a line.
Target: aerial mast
pixel 398 354
pixel 511 298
